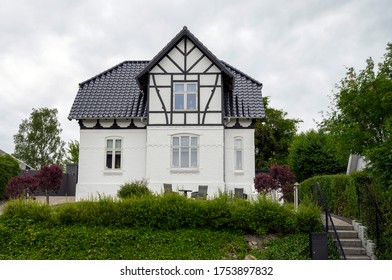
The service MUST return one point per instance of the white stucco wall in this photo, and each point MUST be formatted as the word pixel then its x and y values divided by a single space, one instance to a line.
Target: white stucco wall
pixel 240 178
pixel 210 170
pixel 93 177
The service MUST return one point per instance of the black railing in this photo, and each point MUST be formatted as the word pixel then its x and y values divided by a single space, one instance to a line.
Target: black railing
pixel 317 193
pixel 370 214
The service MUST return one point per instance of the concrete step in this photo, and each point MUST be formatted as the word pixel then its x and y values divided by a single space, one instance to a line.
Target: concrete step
pixel 341 227
pixel 347 242
pixel 357 257
pixel 347 234
pixel 354 251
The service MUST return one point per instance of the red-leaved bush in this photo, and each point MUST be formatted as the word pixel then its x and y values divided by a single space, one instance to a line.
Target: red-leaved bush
pixel 50 177
pixel 279 177
pixel 20 186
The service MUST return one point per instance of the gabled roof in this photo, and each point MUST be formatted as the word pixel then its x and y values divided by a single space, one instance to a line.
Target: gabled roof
pixel 113 93
pixel 119 91
pixel 184 33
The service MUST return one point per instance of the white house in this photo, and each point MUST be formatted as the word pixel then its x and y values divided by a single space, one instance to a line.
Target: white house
pixel 185 118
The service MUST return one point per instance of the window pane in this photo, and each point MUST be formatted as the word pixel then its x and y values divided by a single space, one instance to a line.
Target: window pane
pixel 109 158
pixel 184 157
pixel 191 87
pixel 194 158
pixel 238 160
pixel 109 144
pixel 117 160
pixel 179 101
pixel 193 141
pixel 176 141
pixel 238 143
pixel 176 158
pixel 118 144
pixel 191 102
pixel 179 87
pixel 184 141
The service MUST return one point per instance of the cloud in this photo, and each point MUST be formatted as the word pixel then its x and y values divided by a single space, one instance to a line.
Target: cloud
pixel 297 49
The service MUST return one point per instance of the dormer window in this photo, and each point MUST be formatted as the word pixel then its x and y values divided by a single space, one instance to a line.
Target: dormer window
pixel 185 96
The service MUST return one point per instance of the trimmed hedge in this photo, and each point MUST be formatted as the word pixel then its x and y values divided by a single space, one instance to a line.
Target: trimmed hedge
pixel 9 168
pixel 347 196
pixel 173 211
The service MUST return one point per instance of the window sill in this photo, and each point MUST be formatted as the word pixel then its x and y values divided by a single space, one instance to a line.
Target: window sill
pixel 112 172
pixel 239 172
pixel 184 170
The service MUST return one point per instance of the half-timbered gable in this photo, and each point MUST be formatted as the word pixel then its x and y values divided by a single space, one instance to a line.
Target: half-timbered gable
pixel 185 118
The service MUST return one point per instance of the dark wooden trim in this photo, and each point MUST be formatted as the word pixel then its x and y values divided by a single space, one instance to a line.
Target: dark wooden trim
pixel 208 68
pixel 81 125
pixel 196 62
pixel 160 98
pixel 98 125
pixel 175 63
pixel 209 100
pixel 160 67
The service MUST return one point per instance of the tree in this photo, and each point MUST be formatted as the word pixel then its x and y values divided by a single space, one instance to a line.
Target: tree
pixel 49 179
pixel 9 167
pixel 315 153
pixel 273 137
pixel 21 186
pixel 38 140
pixel 361 116
pixel 73 151
pixel 279 177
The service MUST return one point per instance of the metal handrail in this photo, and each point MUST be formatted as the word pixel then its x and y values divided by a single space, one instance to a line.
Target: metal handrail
pixel 378 215
pixel 329 217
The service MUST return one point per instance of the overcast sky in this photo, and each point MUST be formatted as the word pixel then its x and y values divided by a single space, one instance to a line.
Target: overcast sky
pixel 298 49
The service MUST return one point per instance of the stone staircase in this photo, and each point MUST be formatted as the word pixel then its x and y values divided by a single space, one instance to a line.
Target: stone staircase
pixel 352 245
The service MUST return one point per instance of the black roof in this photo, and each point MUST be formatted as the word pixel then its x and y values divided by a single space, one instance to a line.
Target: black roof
pixel 120 92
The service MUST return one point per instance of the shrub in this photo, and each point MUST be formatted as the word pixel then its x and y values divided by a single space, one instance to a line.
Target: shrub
pixel 279 177
pixel 21 186
pixel 136 188
pixel 175 212
pixel 9 168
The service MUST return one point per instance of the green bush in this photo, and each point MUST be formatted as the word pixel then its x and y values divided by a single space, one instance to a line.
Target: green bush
pixel 9 167
pixel 172 212
pixel 135 188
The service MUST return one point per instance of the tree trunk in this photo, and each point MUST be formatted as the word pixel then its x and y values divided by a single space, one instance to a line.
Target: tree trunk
pixel 47 197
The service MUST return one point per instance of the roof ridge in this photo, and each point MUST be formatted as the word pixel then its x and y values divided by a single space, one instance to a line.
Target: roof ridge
pixel 242 73
pixel 111 69
pixel 185 32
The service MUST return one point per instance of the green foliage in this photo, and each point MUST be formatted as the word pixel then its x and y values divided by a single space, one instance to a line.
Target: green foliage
pixel 340 193
pixel 315 153
pixel 73 151
pixel 9 167
pixel 347 196
pixel 273 137
pixel 361 116
pixel 171 212
pixel 38 140
pixel 135 188
pixel 29 241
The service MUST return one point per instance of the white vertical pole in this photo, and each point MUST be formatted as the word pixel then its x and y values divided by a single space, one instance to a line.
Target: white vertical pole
pixel 296 196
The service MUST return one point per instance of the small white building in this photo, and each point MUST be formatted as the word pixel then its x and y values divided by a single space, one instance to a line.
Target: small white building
pixel 184 118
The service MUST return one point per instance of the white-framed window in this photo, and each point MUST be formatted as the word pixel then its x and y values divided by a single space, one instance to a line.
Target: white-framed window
pixel 185 150
pixel 238 153
pixel 113 153
pixel 185 96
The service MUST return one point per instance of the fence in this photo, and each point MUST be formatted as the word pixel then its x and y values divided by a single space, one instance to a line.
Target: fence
pixel 68 184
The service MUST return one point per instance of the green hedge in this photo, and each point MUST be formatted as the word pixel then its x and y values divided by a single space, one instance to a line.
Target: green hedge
pixel 9 167
pixel 174 211
pixel 347 196
pixel 340 193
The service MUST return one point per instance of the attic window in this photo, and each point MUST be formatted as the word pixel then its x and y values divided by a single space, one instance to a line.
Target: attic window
pixel 185 96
